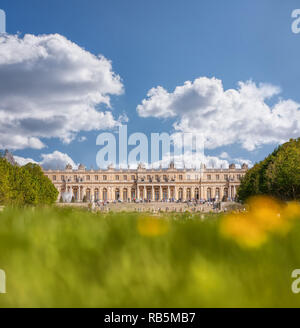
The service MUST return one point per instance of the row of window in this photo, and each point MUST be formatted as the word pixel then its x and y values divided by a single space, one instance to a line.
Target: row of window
pixel 149 178
pixel 117 178
pixel 88 178
pixel 225 177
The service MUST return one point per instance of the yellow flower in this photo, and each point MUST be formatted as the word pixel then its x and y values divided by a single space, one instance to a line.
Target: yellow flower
pixel 152 227
pixel 291 211
pixel 243 230
pixel 264 215
pixel 266 212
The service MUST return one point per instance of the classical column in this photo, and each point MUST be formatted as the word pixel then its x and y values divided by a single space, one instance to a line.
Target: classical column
pixel 144 192
pixel 138 192
pixel 168 194
pixel 160 192
pixel 153 194
pixel 201 192
pixel 184 193
pixel 221 193
pixel 77 192
pixel 92 194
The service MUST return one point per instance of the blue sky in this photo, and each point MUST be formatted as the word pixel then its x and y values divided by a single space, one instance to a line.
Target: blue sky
pixel 165 43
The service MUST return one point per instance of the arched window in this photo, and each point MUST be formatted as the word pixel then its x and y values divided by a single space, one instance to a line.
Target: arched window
pixel 208 193
pixel 188 194
pixel 226 193
pixel 149 194
pixel 180 194
pixel 96 194
pixel 157 194
pixel 88 194
pixel 75 193
pixel 197 193
pixel 125 195
pixel 132 194
pixel 165 193
pixel 104 194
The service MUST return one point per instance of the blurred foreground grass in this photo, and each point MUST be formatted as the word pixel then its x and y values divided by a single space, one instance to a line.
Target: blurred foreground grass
pixel 64 257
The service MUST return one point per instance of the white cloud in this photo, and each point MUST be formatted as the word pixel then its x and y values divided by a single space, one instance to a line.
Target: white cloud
pixel 54 161
pixel 194 161
pixel 226 117
pixel 82 139
pixel 238 161
pixel 51 87
pixel 23 161
pixel 224 155
pixel 241 161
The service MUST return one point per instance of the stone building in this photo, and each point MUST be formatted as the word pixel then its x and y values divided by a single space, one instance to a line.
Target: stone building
pixel 148 184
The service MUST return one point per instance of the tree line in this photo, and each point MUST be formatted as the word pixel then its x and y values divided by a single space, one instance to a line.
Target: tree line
pixel 25 185
pixel 277 175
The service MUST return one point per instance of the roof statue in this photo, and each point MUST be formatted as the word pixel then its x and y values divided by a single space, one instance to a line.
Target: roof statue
pixel 9 157
pixel 68 167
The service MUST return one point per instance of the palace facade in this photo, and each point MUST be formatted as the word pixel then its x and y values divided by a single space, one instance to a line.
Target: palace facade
pixel 147 184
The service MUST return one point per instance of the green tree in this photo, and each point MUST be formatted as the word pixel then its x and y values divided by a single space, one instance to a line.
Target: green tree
pixel 43 189
pixel 5 190
pixel 283 174
pixel 25 185
pixel 277 175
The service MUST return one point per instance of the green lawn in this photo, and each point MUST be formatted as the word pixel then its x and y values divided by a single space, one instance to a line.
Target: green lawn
pixel 64 257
